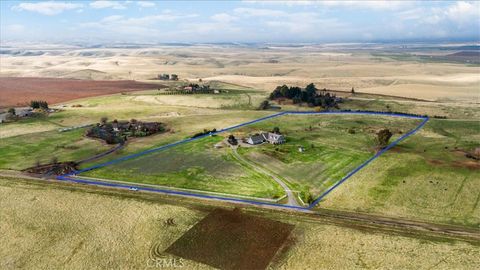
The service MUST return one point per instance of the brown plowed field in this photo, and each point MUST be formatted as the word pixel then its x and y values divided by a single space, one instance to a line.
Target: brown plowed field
pixel 19 91
pixel 232 240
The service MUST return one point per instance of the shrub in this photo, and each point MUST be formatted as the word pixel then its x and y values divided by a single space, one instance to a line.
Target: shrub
pixel 39 104
pixel 383 136
pixel 264 105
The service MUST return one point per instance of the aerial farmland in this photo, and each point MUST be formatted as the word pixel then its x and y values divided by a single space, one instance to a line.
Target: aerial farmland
pixel 155 142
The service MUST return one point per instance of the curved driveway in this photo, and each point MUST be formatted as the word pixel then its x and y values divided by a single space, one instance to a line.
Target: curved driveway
pixel 290 195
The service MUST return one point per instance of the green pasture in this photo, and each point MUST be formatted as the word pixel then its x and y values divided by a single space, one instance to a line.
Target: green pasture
pixel 195 165
pixel 330 150
pixel 426 177
pixel 23 151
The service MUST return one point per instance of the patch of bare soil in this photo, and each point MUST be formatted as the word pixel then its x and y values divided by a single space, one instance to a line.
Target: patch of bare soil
pixel 19 91
pixel 468 164
pixel 58 168
pixel 232 240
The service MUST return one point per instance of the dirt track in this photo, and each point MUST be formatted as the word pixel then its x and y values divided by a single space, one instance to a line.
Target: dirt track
pixel 19 91
pixel 290 195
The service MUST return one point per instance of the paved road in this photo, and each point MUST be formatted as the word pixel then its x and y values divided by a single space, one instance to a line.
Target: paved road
pixel 290 195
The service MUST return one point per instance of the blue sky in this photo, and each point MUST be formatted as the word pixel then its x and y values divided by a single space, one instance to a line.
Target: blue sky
pixel 238 21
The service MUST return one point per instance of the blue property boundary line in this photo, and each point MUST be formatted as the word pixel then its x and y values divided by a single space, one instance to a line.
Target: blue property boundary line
pixel 68 177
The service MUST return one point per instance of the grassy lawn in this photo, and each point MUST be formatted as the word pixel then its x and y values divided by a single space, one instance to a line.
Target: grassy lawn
pixel 331 151
pixel 196 165
pixel 21 152
pixel 426 177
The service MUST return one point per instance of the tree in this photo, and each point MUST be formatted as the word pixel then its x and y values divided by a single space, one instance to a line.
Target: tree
pixel 43 105
pixel 276 130
pixel 308 95
pixel 353 90
pixel 39 104
pixel 308 197
pixel 232 140
pixel 311 90
pixel 264 105
pixel 383 136
pixel 12 111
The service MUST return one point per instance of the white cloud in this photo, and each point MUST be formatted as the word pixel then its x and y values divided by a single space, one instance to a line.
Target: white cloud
pixel 366 4
pixel 288 3
pixel 145 4
pixel 377 5
pixel 134 25
pixel 463 12
pixel 108 4
pixel 47 8
pixel 459 14
pixel 258 12
pixel 307 23
pixel 112 18
pixel 223 18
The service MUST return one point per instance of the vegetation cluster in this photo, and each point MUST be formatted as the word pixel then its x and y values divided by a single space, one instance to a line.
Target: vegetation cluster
pixel 204 132
pixel 118 131
pixel 309 95
pixel 39 104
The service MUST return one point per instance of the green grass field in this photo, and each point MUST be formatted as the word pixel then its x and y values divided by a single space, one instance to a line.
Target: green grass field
pixel 331 151
pixel 23 151
pixel 441 184
pixel 426 177
pixel 24 142
pixel 196 165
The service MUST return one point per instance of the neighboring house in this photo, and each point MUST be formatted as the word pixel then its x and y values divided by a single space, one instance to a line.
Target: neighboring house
pixel 164 77
pixel 25 113
pixel 269 137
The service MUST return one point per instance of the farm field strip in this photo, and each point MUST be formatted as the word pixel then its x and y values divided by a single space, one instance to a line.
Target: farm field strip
pixel 182 189
pixel 75 178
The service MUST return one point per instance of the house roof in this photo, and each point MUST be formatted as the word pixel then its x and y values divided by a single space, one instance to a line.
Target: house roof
pixel 257 138
pixel 275 136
